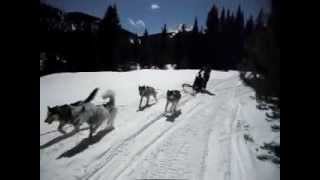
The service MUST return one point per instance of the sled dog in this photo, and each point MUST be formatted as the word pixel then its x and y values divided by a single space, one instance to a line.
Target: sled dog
pixel 147 91
pixel 173 97
pixel 84 112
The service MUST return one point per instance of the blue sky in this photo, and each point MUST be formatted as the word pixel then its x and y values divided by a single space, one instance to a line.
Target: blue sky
pixel 135 15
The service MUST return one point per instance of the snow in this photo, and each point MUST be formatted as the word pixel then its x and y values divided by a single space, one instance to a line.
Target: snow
pixel 205 142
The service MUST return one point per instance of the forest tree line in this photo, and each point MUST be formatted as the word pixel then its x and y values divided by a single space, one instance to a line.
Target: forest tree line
pixel 71 42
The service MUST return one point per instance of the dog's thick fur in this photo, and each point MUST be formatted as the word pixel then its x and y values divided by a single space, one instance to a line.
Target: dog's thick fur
pixel 147 91
pixel 84 111
pixel 173 97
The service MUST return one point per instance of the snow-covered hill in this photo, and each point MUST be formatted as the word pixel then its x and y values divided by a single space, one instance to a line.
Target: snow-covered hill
pixel 206 141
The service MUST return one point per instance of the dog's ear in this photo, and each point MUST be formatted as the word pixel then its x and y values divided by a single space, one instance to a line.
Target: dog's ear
pixel 49 108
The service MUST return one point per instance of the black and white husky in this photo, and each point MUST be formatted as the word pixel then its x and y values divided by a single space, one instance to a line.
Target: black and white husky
pixel 84 112
pixel 173 97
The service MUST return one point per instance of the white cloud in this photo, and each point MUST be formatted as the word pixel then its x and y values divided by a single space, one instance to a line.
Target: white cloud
pixel 189 28
pixel 155 6
pixel 179 28
pixel 137 24
pixel 131 22
pixel 141 23
pixel 171 30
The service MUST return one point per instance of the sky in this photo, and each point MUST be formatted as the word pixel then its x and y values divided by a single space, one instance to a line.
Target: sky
pixel 136 15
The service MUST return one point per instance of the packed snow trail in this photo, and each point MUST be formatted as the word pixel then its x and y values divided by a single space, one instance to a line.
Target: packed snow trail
pixel 182 152
pixel 203 142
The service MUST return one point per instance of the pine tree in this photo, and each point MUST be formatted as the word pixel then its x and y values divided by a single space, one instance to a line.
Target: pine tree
pixel 259 20
pixel 183 28
pixel 249 26
pixel 239 19
pixel 213 20
pixel 195 28
pixel 110 21
pixel 212 38
pixel 146 54
pixel 109 38
pixel 164 29
pixel 228 17
pixel 222 20
pixel 163 57
pixel 145 34
pixel 263 56
pixel 239 37
pixel 116 21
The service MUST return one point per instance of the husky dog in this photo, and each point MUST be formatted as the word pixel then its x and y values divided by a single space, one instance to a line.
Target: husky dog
pixel 173 97
pixel 146 91
pixel 84 111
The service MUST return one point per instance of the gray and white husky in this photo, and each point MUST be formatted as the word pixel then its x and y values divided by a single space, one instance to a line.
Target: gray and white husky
pixel 173 97
pixel 147 91
pixel 84 112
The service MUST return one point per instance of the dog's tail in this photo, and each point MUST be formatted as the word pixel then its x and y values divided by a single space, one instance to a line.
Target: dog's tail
pixel 111 95
pixel 91 96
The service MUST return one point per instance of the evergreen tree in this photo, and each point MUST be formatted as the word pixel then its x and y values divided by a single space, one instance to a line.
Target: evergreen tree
pixel 224 50
pixel 212 38
pixel 109 39
pixel 195 47
pixel 239 37
pixel 183 29
pixel 249 26
pixel 259 21
pixel 263 56
pixel 222 20
pixel 163 57
pixel 164 30
pixel 239 20
pixel 195 28
pixel 146 54
pixel 145 34
pixel 213 20
pixel 228 17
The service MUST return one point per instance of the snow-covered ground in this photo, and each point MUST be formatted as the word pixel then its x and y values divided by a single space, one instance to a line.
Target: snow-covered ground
pixel 206 141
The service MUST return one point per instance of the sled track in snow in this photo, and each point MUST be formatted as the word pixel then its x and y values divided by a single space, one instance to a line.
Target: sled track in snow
pixel 125 143
pixel 181 148
pixel 228 116
pixel 115 150
pixel 151 143
pixel 166 166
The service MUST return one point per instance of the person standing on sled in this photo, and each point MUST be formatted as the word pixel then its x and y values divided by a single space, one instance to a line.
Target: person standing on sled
pixel 206 76
pixel 198 82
